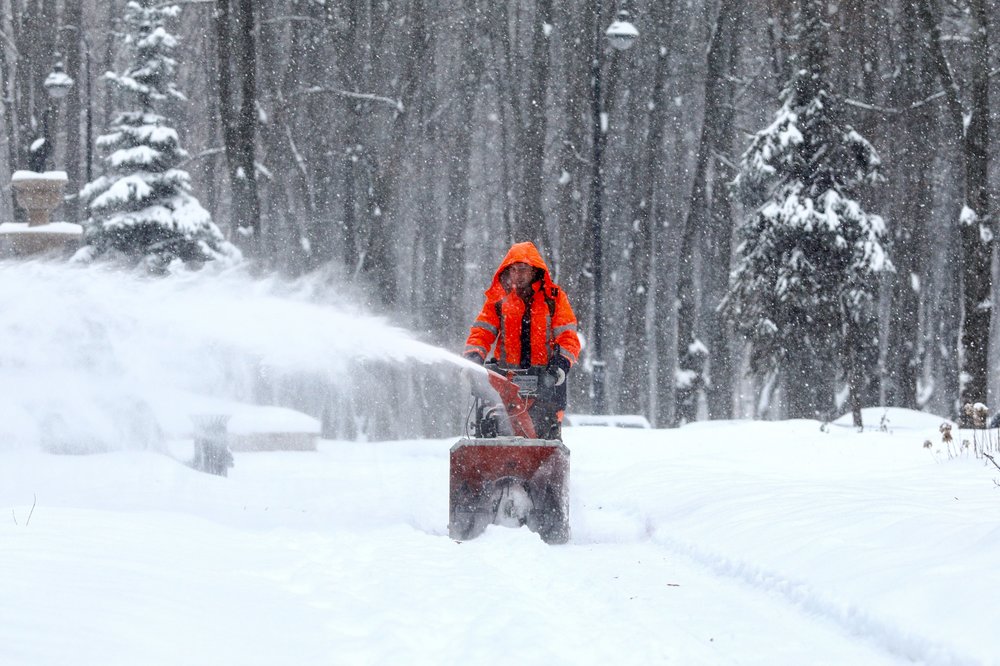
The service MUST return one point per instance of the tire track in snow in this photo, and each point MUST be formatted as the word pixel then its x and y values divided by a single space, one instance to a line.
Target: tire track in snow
pixel 853 620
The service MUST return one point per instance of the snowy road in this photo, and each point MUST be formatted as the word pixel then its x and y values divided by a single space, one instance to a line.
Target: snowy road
pixel 718 544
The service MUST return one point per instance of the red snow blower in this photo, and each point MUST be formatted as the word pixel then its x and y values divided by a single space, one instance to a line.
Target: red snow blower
pixel 503 474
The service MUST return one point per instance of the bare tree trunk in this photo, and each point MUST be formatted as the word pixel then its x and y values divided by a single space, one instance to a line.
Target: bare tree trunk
pixel 20 95
pixel 503 76
pixel 691 354
pixel 350 53
pixel 976 226
pixel 978 233
pixel 530 225
pixel 670 212
pixel 34 36
pixel 855 372
pixel 427 167
pixel 107 62
pixel 915 202
pixel 634 392
pixel 453 253
pixel 238 65
pixel 9 134
pixel 717 252
pixel 573 255
pixel 715 126
pixel 73 45
pixel 288 197
pixel 378 256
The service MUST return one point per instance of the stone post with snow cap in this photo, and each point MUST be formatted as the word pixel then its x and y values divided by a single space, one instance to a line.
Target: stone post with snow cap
pixel 39 194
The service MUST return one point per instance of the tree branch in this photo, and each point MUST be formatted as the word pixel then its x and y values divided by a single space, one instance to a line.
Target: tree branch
pixel 912 107
pixel 723 158
pixel 944 70
pixel 10 43
pixel 894 110
pixel 992 460
pixel 370 97
pixel 289 18
pixel 168 3
pixel 205 153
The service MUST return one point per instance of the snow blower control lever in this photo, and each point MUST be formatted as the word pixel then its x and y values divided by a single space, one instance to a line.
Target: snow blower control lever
pixel 516 389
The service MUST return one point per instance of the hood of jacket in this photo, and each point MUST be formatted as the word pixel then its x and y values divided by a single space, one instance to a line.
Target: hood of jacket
pixel 525 253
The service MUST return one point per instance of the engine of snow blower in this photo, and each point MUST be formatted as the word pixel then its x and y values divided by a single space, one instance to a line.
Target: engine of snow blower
pixel 504 474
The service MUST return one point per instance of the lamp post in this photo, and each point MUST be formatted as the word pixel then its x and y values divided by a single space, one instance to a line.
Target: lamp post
pixel 56 84
pixel 72 156
pixel 620 36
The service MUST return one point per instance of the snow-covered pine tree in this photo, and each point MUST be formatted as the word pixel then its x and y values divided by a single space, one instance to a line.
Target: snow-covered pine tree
pixel 804 286
pixel 142 207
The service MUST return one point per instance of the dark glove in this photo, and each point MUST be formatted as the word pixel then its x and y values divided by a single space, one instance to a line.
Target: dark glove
pixel 475 357
pixel 556 370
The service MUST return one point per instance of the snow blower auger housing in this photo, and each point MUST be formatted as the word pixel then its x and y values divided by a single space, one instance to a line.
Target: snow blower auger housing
pixel 505 475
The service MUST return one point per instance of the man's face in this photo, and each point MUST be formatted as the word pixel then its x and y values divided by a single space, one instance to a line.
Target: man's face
pixel 520 275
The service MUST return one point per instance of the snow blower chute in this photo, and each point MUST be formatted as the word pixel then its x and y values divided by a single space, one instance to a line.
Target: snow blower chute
pixel 505 475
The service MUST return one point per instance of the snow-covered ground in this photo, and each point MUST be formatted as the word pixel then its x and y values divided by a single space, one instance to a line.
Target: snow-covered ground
pixel 716 543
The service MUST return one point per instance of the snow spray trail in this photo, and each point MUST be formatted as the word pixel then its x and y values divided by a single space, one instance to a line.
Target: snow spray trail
pixel 94 359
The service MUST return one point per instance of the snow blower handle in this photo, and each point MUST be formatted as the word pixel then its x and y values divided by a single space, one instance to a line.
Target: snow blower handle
pixel 512 391
pixel 527 381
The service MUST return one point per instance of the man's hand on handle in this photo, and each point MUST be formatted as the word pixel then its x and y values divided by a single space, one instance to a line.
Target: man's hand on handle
pixel 474 357
pixel 556 370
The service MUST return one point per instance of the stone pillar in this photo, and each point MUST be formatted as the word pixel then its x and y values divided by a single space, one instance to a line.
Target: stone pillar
pixel 39 194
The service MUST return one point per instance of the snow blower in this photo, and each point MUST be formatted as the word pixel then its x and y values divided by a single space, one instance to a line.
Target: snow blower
pixel 503 474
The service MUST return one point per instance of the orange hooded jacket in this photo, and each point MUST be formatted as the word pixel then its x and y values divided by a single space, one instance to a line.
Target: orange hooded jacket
pixel 549 317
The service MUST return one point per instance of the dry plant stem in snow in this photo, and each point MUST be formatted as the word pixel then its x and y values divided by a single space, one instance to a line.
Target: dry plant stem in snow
pixel 992 460
pixel 984 439
pixel 948 440
pixel 34 501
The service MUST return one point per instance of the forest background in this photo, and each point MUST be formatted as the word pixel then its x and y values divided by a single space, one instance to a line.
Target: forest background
pixel 403 146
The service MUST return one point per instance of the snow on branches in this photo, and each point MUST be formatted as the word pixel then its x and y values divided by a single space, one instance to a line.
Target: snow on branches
pixel 151 75
pixel 142 207
pixel 804 284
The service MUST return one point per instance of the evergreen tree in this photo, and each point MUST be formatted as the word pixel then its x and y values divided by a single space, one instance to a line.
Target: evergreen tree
pixel 142 206
pixel 804 287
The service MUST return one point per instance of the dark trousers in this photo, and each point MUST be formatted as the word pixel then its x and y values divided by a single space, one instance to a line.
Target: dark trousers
pixel 546 412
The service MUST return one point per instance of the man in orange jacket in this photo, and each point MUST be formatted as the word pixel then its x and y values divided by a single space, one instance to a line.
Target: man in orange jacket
pixel 527 321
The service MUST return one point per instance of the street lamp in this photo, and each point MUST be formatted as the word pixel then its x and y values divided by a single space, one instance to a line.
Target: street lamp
pixel 56 84
pixel 620 35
